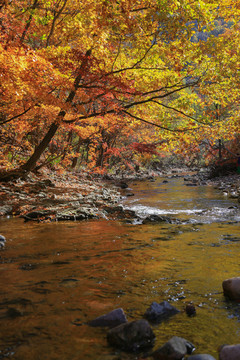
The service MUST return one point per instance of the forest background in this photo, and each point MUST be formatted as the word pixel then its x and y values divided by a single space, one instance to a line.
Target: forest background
pixel 110 86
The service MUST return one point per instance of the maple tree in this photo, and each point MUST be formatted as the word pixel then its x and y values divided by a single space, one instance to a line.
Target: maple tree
pixel 98 76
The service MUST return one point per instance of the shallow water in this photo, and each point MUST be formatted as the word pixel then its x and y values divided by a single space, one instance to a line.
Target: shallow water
pixel 55 277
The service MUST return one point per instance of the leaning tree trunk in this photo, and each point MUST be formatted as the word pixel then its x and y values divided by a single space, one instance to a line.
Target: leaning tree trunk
pixel 75 159
pixel 31 163
pixel 41 147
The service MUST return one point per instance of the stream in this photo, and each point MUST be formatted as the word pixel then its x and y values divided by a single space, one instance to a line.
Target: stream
pixel 55 277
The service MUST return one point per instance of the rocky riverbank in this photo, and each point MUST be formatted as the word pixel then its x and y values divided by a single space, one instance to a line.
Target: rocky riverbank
pixel 65 197
pixel 54 197
pixel 229 185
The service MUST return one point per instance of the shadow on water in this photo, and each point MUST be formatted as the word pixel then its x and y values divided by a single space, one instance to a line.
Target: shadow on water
pixel 55 277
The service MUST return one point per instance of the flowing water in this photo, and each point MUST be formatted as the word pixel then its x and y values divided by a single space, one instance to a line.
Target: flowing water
pixel 55 277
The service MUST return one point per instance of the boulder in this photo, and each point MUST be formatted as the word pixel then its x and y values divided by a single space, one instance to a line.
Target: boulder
pixel 201 357
pixel 112 319
pixel 132 336
pixel 122 185
pixel 159 312
pixel 35 215
pixel 2 241
pixel 231 288
pixel 190 310
pixel 230 352
pixel 175 349
pixel 6 210
pixel 157 219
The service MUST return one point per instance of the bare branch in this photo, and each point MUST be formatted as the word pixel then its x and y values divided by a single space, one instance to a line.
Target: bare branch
pixel 56 16
pixel 28 23
pixel 118 52
pixel 156 125
pixel 16 116
pixel 180 112
pixel 160 96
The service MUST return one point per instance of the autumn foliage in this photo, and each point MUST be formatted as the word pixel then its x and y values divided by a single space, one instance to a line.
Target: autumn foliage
pixel 100 83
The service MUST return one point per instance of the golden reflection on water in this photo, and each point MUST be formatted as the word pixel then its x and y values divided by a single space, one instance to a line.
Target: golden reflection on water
pixel 56 277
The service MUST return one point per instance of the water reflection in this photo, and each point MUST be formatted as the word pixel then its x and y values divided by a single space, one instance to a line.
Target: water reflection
pixel 56 277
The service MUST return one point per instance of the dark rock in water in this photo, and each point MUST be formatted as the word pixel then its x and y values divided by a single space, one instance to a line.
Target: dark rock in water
pixel 13 313
pixel 77 322
pixel 122 185
pixel 119 213
pixel 70 282
pixel 191 179
pixel 129 194
pixel 231 288
pixel 28 267
pixel 159 312
pixel 201 357
pixel 190 310
pixel 175 349
pixel 113 209
pixel 230 352
pixel 112 319
pixel 132 336
pixel 34 215
pixel 165 181
pixel 156 219
pixel 19 301
pixel 2 241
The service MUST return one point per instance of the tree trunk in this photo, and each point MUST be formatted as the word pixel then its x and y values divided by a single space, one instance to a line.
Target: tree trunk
pixel 220 149
pixel 31 163
pixel 75 159
pixel 99 161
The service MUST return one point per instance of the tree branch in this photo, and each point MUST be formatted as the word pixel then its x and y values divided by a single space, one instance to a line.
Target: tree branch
pixel 56 16
pixel 180 112
pixel 33 7
pixel 156 125
pixel 16 116
pixel 160 96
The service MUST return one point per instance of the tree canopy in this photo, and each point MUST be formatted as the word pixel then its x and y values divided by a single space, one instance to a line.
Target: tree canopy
pixel 95 80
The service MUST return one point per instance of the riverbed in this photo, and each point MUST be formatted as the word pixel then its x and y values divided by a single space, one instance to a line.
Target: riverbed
pixel 55 277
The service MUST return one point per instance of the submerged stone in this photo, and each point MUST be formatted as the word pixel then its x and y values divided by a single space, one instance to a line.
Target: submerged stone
pixel 190 310
pixel 112 319
pixel 13 313
pixel 158 312
pixel 157 219
pixel 2 241
pixel 132 336
pixel 175 349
